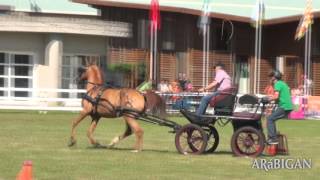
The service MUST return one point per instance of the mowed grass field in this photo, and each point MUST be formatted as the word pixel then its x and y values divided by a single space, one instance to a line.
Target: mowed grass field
pixel 43 140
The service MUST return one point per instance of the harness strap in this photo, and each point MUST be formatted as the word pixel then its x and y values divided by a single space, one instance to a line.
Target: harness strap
pixel 123 108
pixel 94 101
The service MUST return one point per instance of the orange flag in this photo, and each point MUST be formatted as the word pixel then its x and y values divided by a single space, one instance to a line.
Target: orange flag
pixel 305 21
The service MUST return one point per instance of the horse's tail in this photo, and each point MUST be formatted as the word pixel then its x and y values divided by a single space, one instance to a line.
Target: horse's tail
pixel 155 104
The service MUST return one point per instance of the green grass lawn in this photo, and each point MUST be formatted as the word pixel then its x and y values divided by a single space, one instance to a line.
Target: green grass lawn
pixel 43 139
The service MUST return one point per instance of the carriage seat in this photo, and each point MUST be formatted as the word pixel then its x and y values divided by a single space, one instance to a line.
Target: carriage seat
pixel 252 105
pixel 224 103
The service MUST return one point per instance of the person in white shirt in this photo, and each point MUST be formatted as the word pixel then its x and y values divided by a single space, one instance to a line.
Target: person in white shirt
pixel 163 87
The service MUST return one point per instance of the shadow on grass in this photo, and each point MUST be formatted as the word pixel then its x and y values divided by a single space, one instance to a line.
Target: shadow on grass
pixel 220 153
pixel 159 151
pixel 216 153
pixel 130 149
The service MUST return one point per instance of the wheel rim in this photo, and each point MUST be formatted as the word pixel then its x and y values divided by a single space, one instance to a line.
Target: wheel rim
pixel 248 143
pixel 194 140
pixel 191 140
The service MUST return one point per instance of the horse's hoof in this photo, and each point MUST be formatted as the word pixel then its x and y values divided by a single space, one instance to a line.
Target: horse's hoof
pixel 114 142
pixel 110 145
pixel 135 151
pixel 98 145
pixel 72 142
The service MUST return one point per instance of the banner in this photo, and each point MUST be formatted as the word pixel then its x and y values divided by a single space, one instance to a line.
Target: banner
pixel 298 112
pixel 313 108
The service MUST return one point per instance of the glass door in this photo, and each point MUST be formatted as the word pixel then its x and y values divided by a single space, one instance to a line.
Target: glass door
pixel 242 74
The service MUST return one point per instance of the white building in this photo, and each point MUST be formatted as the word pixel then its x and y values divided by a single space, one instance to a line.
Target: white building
pixel 41 45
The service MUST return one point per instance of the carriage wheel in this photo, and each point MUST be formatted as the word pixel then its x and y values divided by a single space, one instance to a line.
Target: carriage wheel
pixel 213 139
pixel 247 141
pixel 191 139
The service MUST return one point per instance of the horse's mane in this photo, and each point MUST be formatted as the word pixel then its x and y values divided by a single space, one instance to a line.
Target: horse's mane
pixel 97 73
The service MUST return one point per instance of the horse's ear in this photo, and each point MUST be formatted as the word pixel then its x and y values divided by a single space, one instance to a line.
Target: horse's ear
pixel 87 62
pixel 92 62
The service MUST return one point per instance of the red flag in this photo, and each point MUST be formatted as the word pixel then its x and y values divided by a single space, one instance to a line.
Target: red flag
pixel 154 15
pixel 305 21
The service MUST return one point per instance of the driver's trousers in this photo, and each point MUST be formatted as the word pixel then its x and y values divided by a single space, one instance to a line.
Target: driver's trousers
pixel 204 103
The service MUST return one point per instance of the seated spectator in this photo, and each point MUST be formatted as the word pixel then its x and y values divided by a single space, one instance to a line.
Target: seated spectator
pixel 183 81
pixel 179 102
pixel 174 87
pixel 269 90
pixel 189 86
pixel 144 86
pixel 163 86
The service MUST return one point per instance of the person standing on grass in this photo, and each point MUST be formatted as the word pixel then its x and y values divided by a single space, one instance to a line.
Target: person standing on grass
pixel 282 97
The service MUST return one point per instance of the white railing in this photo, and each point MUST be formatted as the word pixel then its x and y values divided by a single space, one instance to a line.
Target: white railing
pixel 45 99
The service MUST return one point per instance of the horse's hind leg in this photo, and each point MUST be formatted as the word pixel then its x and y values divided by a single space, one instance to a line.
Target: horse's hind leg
pixel 75 122
pixel 126 133
pixel 138 131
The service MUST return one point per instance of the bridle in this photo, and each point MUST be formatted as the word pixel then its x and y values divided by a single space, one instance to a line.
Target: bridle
pixel 95 86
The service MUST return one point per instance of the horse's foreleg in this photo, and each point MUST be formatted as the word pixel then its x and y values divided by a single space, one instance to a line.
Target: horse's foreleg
pixel 138 131
pixel 116 139
pixel 75 122
pixel 90 131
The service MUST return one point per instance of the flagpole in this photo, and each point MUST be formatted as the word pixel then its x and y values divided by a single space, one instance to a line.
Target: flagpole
pixel 305 65
pixel 151 53
pixel 208 49
pixel 259 59
pixel 255 59
pixel 309 57
pixel 204 57
pixel 155 56
pixel 259 44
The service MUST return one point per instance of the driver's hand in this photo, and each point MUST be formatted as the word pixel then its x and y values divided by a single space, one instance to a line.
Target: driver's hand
pixel 265 99
pixel 201 90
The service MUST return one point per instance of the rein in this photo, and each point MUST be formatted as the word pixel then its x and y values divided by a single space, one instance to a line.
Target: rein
pixel 96 84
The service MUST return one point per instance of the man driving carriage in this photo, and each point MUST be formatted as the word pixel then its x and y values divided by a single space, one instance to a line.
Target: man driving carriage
pixel 221 82
pixel 282 97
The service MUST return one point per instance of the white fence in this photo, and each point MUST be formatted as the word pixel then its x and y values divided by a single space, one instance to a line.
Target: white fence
pixel 50 99
pixel 41 99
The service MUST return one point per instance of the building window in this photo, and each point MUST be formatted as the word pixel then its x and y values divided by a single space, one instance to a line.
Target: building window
pixel 16 74
pixel 315 40
pixel 143 34
pixel 69 72
pixel 168 33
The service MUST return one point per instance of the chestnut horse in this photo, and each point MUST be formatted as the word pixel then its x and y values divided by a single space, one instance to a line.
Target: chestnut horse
pixel 108 102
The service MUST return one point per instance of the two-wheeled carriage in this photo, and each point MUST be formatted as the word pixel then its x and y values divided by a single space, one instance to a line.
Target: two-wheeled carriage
pixel 201 136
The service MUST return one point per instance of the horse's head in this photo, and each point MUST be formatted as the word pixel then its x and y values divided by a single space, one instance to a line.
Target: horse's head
pixel 82 74
pixel 92 74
